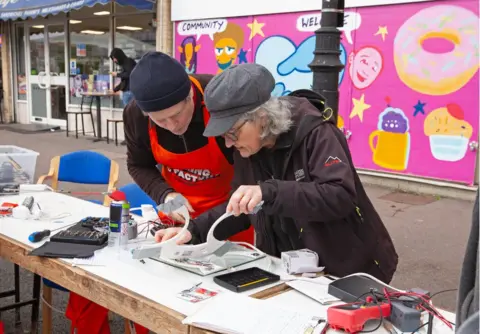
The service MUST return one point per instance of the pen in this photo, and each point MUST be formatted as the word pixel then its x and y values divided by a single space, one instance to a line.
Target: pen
pixel 325 329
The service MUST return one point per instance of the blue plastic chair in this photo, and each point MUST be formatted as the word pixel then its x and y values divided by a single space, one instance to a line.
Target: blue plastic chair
pixel 83 167
pixel 136 196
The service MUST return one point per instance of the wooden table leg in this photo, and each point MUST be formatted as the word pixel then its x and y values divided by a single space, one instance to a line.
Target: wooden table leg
pixel 46 310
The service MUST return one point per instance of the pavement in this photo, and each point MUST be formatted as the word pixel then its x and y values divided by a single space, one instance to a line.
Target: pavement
pixel 429 232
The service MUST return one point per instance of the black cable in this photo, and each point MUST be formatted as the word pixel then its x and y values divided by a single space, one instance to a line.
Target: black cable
pixel 380 322
pixel 439 292
pixel 416 330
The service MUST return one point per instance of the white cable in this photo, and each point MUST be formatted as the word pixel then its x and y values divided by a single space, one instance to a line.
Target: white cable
pixel 50 306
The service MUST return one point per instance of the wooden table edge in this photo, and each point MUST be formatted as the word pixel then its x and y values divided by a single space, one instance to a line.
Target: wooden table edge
pixel 128 304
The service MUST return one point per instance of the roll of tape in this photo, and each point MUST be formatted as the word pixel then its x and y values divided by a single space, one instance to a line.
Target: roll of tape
pixel 132 230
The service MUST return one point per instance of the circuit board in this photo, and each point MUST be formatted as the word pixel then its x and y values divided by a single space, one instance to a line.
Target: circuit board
pixel 80 234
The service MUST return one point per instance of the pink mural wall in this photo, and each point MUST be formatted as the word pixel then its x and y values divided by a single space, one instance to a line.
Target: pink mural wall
pixel 409 90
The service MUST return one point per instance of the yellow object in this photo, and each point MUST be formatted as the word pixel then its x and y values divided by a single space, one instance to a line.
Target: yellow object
pixel 340 122
pixel 255 28
pixel 359 107
pixel 391 150
pixel 254 282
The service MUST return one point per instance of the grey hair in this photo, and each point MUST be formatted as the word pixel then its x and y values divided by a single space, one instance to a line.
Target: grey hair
pixel 276 113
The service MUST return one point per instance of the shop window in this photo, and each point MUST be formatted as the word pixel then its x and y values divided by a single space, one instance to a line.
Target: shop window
pixel 135 35
pixel 89 58
pixel 20 63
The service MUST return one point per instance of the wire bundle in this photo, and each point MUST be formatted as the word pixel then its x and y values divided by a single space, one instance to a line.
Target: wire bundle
pixel 417 301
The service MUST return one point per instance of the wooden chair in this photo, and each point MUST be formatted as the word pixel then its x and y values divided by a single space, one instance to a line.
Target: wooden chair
pixel 81 167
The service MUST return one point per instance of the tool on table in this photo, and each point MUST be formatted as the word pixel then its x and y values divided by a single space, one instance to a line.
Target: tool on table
pixel 171 250
pixel 40 235
pixel 246 279
pixel 353 316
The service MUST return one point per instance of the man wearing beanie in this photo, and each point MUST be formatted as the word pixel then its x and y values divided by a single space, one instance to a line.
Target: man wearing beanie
pixel 167 154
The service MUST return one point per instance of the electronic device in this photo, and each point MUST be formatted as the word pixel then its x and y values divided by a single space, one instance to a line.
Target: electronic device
pixel 169 249
pixel 246 279
pixel 80 234
pixel 405 318
pixel 352 317
pixel 95 222
pixel 354 288
pixel 81 237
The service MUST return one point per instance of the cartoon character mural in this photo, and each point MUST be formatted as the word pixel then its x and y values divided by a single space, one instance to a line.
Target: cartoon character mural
pixel 448 132
pixel 227 45
pixel 188 54
pixel 425 58
pixel 436 49
pixel 365 65
pixel 390 143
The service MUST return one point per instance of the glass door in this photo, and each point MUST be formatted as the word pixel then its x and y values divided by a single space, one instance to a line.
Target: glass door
pixel 47 68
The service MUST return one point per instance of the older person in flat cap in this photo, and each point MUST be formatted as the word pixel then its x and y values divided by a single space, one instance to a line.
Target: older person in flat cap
pixel 293 158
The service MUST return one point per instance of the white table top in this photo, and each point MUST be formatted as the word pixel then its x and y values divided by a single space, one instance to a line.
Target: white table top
pixel 156 281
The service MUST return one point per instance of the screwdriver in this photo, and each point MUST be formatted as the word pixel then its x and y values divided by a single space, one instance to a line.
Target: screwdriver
pixel 40 235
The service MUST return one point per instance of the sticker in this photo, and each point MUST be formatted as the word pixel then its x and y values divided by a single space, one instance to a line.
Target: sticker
pixel 196 294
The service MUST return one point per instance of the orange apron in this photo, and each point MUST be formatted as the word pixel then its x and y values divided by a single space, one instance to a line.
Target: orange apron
pixel 202 176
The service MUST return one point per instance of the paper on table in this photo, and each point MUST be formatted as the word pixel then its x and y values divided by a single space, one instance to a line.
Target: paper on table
pixel 98 259
pixel 317 290
pixel 237 314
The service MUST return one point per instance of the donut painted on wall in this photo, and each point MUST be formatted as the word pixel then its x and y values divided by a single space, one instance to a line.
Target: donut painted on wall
pixel 436 50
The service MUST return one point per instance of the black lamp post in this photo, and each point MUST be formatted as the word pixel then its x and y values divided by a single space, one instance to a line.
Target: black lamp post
pixel 326 65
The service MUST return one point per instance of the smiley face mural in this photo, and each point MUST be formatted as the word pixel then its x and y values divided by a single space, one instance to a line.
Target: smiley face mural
pixel 365 65
pixel 227 45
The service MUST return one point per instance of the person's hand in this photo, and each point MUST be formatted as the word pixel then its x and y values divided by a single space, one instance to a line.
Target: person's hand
pixel 175 215
pixel 169 233
pixel 244 200
pixel 114 74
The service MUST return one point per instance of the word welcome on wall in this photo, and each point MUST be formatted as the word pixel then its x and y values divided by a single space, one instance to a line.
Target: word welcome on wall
pixel 409 89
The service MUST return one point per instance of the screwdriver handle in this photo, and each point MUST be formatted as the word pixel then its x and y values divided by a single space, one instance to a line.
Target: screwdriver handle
pixel 38 236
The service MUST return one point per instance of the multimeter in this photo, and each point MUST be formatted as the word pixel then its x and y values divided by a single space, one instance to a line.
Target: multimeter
pixel 352 317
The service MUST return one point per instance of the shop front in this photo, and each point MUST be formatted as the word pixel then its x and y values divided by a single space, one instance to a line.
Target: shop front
pixel 60 50
pixel 409 102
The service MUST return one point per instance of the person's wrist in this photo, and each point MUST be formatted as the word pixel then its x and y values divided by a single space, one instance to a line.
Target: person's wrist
pixel 170 196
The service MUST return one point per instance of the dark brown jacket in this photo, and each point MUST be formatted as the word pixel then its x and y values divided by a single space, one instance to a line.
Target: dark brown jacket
pixel 313 199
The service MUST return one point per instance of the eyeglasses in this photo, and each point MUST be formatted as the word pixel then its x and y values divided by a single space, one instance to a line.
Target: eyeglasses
pixel 232 134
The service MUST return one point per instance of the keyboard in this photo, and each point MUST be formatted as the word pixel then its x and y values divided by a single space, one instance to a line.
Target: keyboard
pixel 246 279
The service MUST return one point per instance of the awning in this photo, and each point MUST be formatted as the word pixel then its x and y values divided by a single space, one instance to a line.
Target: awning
pixel 22 9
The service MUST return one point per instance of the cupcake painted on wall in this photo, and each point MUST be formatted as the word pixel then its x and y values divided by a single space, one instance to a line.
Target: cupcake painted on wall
pixel 448 132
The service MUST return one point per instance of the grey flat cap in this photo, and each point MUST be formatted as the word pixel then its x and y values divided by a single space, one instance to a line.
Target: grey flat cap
pixel 234 92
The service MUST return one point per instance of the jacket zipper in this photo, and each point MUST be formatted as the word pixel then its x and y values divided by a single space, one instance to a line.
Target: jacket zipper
pixel 184 143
